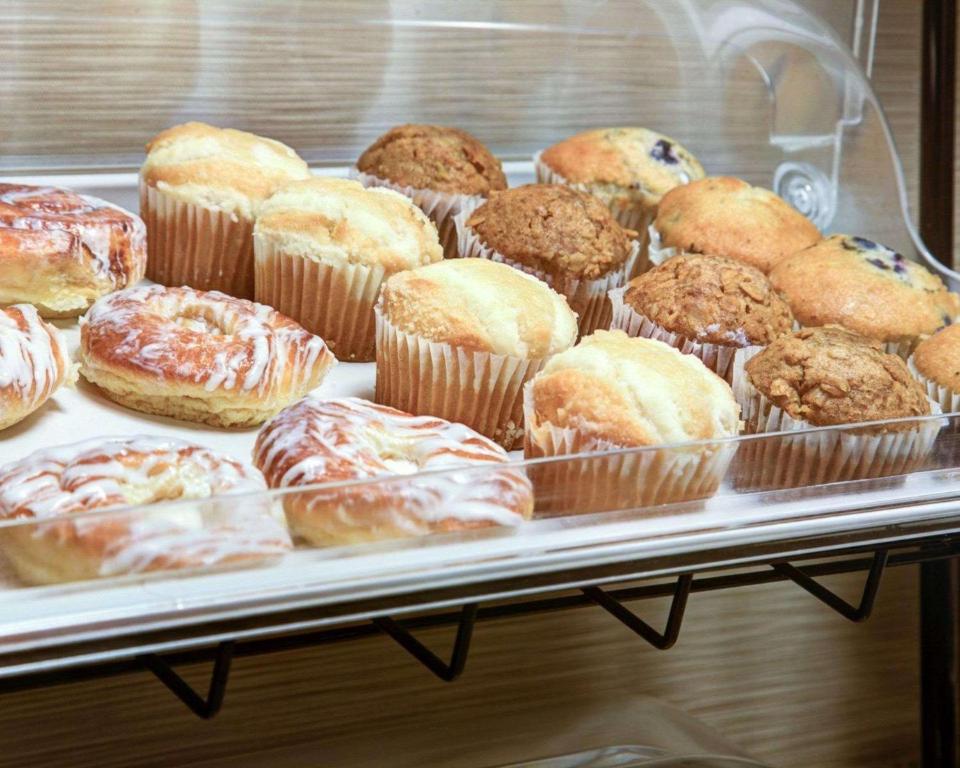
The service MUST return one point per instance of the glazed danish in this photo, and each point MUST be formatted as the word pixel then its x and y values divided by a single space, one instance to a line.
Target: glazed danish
pixel 56 486
pixel 33 362
pixel 331 441
pixel 198 355
pixel 60 250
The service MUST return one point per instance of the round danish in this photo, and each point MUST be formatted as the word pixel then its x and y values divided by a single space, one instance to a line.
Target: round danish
pixel 349 439
pixel 60 250
pixel 33 362
pixel 53 541
pixel 198 356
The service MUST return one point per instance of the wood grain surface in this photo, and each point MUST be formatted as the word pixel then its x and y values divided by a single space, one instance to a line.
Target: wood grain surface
pixel 768 667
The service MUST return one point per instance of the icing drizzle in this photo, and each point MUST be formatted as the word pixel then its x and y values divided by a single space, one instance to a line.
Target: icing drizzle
pixel 33 354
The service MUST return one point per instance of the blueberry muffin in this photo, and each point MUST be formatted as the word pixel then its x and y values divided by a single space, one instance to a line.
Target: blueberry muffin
pixel 708 306
pixel 724 216
pixel 866 287
pixel 567 238
pixel 629 169
pixel 443 170
pixel 936 363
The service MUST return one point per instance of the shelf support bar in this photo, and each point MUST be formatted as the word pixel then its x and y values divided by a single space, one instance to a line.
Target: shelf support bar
pixel 446 671
pixel 660 640
pixel 204 708
pixel 855 613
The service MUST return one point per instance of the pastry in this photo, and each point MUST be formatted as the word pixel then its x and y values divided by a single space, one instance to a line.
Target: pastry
pixel 936 364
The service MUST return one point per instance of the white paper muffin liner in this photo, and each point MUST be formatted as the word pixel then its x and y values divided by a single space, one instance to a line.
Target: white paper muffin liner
pixel 440 207
pixel 588 298
pixel 817 456
pixel 656 253
pixel 333 301
pixel 717 357
pixel 479 389
pixel 946 398
pixel 620 480
pixel 200 247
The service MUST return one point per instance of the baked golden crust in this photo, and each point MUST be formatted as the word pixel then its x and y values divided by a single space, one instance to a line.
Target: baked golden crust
pixel 328 441
pixel 219 168
pixel 632 392
pixel 622 165
pixel 337 221
pixel 711 299
pixel 433 157
pixel 554 229
pixel 480 305
pixel 725 216
pixel 60 250
pixel 938 358
pixel 199 356
pixel 830 375
pixel 866 287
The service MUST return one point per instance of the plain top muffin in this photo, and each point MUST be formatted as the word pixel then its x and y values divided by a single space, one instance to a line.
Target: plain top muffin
pixel 830 375
pixel 710 299
pixel 938 358
pixel 480 305
pixel 219 168
pixel 728 217
pixel 864 286
pixel 623 165
pixel 633 392
pixel 337 221
pixel 433 157
pixel 554 229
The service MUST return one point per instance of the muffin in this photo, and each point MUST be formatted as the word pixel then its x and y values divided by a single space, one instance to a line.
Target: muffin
pixel 567 238
pixel 825 377
pixel 936 363
pixel 200 188
pixel 868 288
pixel 458 339
pixel 324 246
pixel 706 306
pixel 612 392
pixel 725 216
pixel 629 169
pixel 443 170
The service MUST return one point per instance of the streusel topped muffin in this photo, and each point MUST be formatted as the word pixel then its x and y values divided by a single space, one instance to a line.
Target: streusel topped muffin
pixel 434 157
pixel 728 217
pixel 866 287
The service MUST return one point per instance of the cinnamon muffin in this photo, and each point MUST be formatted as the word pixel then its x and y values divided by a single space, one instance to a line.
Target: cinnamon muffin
pixel 868 288
pixel 458 339
pixel 324 246
pixel 612 392
pixel 707 306
pixel 936 363
pixel 200 188
pixel 565 237
pixel 725 216
pixel 629 169
pixel 443 170
pixel 830 376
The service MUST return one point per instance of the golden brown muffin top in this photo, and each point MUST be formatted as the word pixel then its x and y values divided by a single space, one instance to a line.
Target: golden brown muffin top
pixel 554 229
pixel 938 358
pixel 728 217
pixel 711 299
pixel 639 162
pixel 434 157
pixel 830 375
pixel 866 287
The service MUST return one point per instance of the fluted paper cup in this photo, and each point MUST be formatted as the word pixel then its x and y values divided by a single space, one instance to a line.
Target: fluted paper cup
pixel 479 389
pixel 946 398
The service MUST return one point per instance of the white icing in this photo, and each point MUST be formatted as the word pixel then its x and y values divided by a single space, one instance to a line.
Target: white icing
pixel 32 359
pixel 252 346
pixel 315 442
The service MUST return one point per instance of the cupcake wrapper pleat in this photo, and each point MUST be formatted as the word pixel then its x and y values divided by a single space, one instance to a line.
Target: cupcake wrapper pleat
pixel 333 301
pixel 479 389
pixel 656 253
pixel 946 398
pixel 821 456
pixel 588 298
pixel 441 207
pixel 195 246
